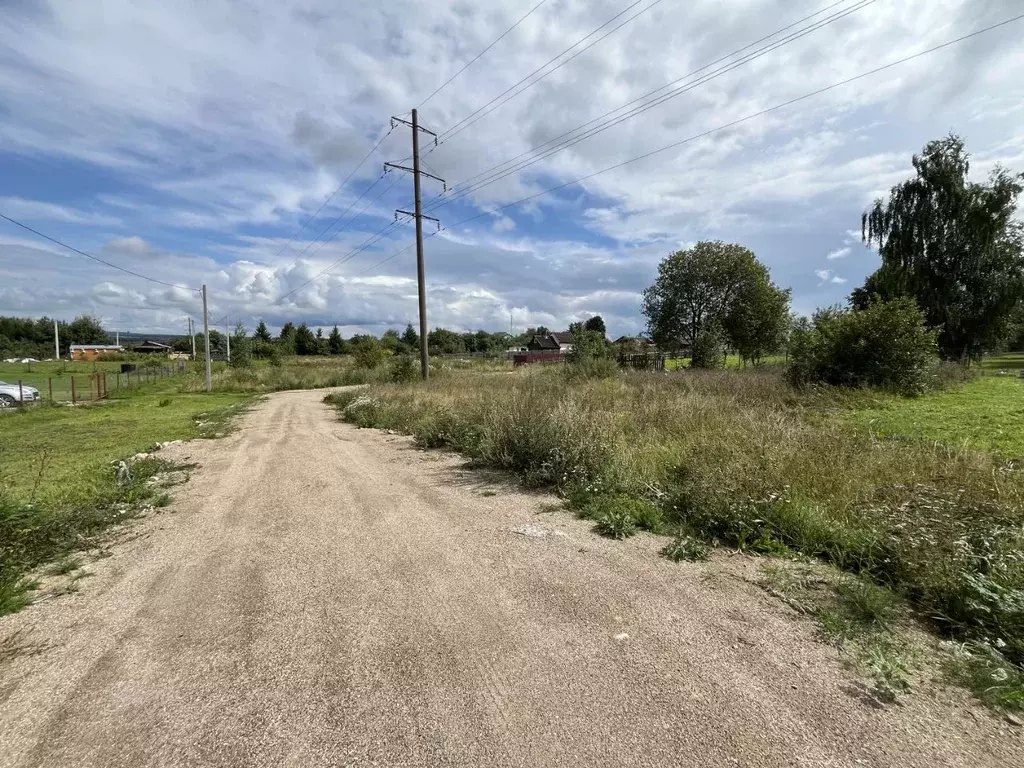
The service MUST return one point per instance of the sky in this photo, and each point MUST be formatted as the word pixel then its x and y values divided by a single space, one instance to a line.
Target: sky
pixel 201 143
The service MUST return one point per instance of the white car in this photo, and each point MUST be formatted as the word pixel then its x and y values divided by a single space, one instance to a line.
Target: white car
pixel 12 394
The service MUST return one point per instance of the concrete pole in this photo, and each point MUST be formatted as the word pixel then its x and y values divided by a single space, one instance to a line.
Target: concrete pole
pixel 206 339
pixel 56 340
pixel 227 336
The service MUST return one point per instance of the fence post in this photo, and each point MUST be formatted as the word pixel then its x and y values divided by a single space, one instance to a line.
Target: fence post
pixel 49 383
pixel 118 382
pixel 21 394
pixel 74 396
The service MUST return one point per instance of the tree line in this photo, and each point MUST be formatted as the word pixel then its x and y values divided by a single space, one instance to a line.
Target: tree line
pixel 27 337
pixel 950 287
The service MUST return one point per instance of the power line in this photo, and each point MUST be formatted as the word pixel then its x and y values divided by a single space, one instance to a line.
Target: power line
pixel 94 258
pixel 332 195
pixel 458 127
pixel 717 129
pixel 475 58
pixel 470 185
pixel 749 117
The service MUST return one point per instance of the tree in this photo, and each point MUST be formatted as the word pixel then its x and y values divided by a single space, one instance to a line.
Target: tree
pixel 759 321
pixel 444 342
pixel 884 345
pixel 596 323
pixel 87 330
pixel 218 344
pixel 390 340
pixel 410 338
pixel 305 341
pixel 286 339
pixel 241 347
pixel 954 246
pixel 335 344
pixel 368 352
pixel 699 297
pixel 262 333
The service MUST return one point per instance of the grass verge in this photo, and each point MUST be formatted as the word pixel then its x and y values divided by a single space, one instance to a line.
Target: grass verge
pixel 58 487
pixel 737 458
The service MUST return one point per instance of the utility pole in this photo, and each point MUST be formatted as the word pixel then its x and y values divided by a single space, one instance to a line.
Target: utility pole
pixel 192 335
pixel 421 271
pixel 206 340
pixel 56 339
pixel 228 337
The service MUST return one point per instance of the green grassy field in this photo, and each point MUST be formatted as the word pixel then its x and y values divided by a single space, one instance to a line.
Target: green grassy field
pixel 58 375
pixel 985 415
pixel 732 362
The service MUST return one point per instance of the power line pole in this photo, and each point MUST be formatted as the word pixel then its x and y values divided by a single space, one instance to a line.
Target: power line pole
pixel 206 340
pixel 192 335
pixel 227 327
pixel 56 339
pixel 421 271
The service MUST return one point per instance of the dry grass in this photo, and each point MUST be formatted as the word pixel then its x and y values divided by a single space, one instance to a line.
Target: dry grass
pixel 740 459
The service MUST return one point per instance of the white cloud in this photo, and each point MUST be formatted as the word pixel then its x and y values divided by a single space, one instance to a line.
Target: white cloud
pixel 823 274
pixel 839 253
pixel 236 121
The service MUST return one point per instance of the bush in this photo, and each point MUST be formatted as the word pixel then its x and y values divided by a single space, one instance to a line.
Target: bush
pixel 369 353
pixel 885 345
pixel 709 349
pixel 404 370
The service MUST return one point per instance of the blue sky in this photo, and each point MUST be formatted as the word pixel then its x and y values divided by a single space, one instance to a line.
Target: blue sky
pixel 190 141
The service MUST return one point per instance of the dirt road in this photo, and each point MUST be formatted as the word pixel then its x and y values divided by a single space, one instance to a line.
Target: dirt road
pixel 325 596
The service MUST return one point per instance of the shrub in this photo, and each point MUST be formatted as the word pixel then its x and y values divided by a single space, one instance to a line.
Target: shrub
pixel 686 548
pixel 403 370
pixel 708 349
pixel 885 345
pixel 369 353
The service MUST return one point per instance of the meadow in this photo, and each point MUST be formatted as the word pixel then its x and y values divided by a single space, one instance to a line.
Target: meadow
pixel 933 514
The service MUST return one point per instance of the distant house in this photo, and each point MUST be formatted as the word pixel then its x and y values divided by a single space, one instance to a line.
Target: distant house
pixel 552 342
pixel 93 351
pixel 153 348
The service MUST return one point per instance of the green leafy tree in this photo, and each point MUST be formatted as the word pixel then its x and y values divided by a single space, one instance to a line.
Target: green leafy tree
pixel 390 340
pixel 218 344
pixel 709 347
pixel 410 338
pixel 699 294
pixel 335 344
pixel 87 330
pixel 953 246
pixel 759 321
pixel 596 323
pixel 444 342
pixel 305 341
pixel 286 339
pixel 241 347
pixel 885 345
pixel 368 352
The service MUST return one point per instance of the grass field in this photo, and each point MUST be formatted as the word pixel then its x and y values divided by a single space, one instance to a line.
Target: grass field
pixel 740 459
pixel 57 483
pixel 985 415
pixel 58 375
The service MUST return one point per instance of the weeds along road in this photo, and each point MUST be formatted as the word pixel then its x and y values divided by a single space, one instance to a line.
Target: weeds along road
pixel 324 596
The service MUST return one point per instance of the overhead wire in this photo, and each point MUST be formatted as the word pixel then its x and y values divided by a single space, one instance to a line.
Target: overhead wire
pixel 568 139
pixel 731 124
pixel 448 82
pixel 461 124
pixel 95 258
pixel 334 193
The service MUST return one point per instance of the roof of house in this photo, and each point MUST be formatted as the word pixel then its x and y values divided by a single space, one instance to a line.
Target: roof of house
pixel 96 346
pixel 153 345
pixel 544 342
pixel 563 338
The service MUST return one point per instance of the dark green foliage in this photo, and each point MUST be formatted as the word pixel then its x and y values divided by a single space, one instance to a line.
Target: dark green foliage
pixel 304 340
pixel 686 548
pixel 262 333
pixel 368 353
pixel 404 369
pixel 444 342
pixel 241 348
pixel 596 324
pixel 25 337
pixel 954 246
pixel 335 344
pixel 410 338
pixel 708 348
pixel 716 290
pixel 885 345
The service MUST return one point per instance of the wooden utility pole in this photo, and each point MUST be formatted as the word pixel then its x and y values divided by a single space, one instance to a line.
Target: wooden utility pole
pixel 421 270
pixel 206 342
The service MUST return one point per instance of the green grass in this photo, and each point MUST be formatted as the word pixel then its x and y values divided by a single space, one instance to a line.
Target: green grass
pixel 57 376
pixel 732 362
pixel 57 484
pixel 1010 361
pixel 740 459
pixel 986 415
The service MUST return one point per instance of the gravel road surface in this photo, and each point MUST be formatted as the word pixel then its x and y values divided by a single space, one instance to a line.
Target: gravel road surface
pixel 319 595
